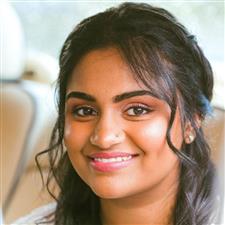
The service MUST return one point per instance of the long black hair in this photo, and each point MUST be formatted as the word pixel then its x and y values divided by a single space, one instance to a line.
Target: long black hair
pixel 166 58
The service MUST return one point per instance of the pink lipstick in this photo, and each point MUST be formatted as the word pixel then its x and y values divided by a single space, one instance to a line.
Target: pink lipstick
pixel 109 162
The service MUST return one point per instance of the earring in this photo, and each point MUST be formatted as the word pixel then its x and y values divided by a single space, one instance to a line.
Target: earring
pixel 190 138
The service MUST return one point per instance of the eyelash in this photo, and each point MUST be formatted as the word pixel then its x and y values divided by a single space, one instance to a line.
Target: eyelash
pixel 75 111
pixel 93 112
pixel 139 106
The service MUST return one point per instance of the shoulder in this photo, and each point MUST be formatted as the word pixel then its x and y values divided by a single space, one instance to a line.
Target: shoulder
pixel 40 215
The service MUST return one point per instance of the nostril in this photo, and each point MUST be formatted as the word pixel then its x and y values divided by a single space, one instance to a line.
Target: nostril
pixel 106 140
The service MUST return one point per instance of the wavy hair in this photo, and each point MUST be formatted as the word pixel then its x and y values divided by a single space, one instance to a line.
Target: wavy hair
pixel 166 58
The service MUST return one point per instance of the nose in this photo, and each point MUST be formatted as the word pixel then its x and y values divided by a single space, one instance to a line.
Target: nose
pixel 107 133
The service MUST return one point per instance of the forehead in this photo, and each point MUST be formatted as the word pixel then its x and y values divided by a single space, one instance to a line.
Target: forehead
pixel 103 71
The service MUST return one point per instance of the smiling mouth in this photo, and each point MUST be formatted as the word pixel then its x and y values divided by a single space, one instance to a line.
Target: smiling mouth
pixel 105 162
pixel 109 160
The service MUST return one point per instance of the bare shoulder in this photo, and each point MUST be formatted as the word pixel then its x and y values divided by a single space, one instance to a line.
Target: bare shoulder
pixel 40 216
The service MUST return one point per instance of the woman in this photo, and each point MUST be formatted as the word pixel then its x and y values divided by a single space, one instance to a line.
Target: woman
pixel 128 147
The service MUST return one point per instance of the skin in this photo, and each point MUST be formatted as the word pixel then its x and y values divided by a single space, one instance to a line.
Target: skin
pixel 145 191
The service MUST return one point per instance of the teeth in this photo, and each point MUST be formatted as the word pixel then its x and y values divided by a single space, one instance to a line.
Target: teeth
pixel 116 159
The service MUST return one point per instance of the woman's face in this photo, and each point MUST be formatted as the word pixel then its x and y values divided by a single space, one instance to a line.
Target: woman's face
pixel 115 130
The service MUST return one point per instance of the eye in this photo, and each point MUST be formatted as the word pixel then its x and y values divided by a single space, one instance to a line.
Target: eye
pixel 138 110
pixel 84 111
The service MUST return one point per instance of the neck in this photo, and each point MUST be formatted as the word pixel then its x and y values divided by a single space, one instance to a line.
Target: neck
pixel 154 207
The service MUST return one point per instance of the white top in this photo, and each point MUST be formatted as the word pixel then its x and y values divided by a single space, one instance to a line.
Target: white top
pixel 37 215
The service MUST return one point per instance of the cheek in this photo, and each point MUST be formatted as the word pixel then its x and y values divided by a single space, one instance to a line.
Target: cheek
pixel 158 161
pixel 76 136
pixel 151 135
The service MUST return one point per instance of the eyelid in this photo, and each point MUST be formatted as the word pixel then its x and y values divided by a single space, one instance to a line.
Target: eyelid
pixel 82 106
pixel 144 107
pixel 132 105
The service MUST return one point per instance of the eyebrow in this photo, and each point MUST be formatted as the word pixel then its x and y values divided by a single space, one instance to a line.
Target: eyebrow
pixel 116 99
pixel 80 95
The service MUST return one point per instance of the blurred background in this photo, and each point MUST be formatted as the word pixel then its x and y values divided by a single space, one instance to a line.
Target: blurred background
pixel 32 34
pixel 46 24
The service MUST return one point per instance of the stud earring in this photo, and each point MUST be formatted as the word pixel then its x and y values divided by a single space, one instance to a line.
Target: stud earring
pixel 190 138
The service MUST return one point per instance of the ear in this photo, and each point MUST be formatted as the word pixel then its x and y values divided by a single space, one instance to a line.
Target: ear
pixel 189 132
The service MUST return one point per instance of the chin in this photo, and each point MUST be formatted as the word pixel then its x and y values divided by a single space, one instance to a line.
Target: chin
pixel 107 193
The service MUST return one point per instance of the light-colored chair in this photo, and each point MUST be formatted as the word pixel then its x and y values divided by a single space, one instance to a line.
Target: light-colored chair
pixel 26 123
pixel 27 118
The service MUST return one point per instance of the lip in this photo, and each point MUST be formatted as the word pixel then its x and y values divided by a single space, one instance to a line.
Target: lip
pixel 109 162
